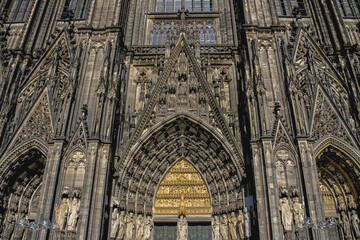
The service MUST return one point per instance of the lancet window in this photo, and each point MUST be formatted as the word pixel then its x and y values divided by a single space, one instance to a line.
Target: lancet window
pixel 191 5
pixel 18 11
pixel 77 7
pixel 285 7
pixel 348 8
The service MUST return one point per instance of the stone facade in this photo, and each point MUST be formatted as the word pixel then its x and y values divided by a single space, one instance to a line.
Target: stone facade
pixel 100 99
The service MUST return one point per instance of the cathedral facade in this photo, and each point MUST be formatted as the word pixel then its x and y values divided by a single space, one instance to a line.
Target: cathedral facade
pixel 179 119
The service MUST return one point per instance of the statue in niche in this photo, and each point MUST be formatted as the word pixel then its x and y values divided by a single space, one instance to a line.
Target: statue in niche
pixel 9 227
pixel 351 201
pixel 62 211
pixel 129 225
pixel 172 101
pixel 182 64
pixel 247 223
pixel 241 221
pixel 345 225
pixel 149 224
pixel 355 223
pixel 216 228
pixel 121 231
pixel 298 210
pixel 74 212
pixel 224 228
pixel 286 214
pixel 233 225
pixel 192 101
pixel 139 227
pixel 114 222
pixel 182 229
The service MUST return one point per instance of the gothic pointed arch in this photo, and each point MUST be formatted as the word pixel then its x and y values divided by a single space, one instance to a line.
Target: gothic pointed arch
pixel 182 87
pixel 155 153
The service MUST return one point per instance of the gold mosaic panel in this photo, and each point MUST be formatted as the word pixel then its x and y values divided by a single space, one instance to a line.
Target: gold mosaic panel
pixel 182 191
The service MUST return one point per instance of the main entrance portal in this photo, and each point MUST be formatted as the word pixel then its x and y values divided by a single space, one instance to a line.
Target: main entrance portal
pixel 182 193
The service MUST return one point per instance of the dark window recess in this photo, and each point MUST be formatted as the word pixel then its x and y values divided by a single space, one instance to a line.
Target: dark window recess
pixel 191 5
pixel 285 7
pixel 348 8
pixel 76 7
pixel 18 11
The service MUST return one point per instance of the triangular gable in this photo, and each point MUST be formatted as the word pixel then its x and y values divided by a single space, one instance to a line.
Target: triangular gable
pixel 327 121
pixel 79 138
pixel 299 50
pixel 182 46
pixel 46 60
pixel 281 135
pixel 38 123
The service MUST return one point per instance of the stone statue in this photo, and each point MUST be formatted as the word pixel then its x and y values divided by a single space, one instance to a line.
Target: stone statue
pixel 182 233
pixel 355 223
pixel 298 210
pixel 224 228
pixel 121 231
pixel 216 228
pixel 9 227
pixel 139 227
pixel 233 225
pixel 345 223
pixel 74 213
pixel 247 223
pixel 129 225
pixel 241 220
pixel 149 224
pixel 114 222
pixel 286 214
pixel 62 213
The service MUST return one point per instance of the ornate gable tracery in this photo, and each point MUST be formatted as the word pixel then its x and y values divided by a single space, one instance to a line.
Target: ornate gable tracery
pixel 326 121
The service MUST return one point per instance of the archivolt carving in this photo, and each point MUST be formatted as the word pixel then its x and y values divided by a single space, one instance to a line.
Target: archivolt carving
pixel 178 139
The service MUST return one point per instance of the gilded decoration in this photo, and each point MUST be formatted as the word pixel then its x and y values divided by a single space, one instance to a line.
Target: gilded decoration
pixel 182 191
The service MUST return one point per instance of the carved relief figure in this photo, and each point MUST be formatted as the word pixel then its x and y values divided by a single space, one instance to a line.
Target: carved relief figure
pixel 121 231
pixel 286 214
pixel 74 212
pixel 9 227
pixel 114 222
pixel 233 225
pixel 216 228
pixel 345 224
pixel 62 213
pixel 182 233
pixel 224 228
pixel 129 226
pixel 298 210
pixel 139 227
pixel 355 223
pixel 241 220
pixel 149 224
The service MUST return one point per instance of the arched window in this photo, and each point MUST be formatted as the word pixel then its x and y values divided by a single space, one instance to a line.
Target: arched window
pixel 348 8
pixel 18 11
pixel 285 7
pixel 191 5
pixel 77 7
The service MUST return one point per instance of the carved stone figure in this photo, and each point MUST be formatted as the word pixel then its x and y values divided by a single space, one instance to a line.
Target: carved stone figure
pixel 216 228
pixel 286 214
pixel 62 214
pixel 355 223
pixel 129 225
pixel 182 232
pixel 114 222
pixel 247 223
pixel 139 227
pixel 74 213
pixel 241 221
pixel 9 227
pixel 233 225
pixel 121 231
pixel 224 228
pixel 345 223
pixel 298 210
pixel 149 224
